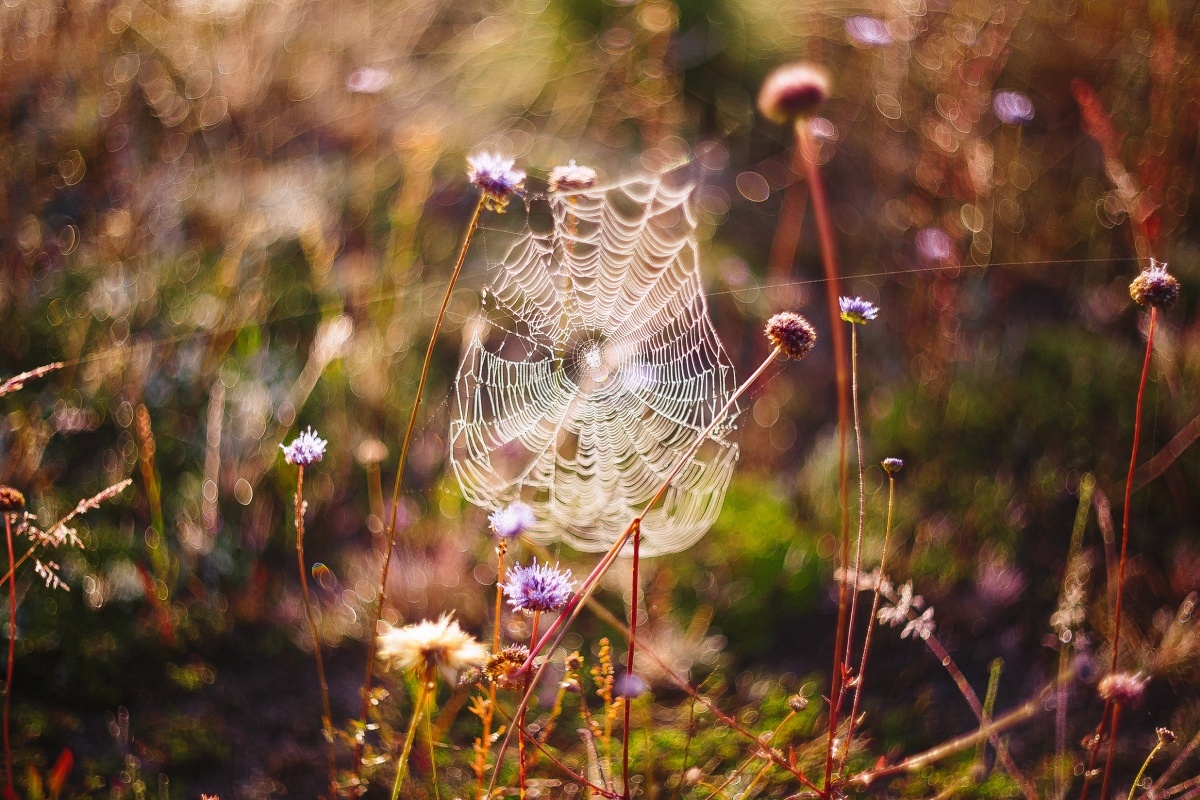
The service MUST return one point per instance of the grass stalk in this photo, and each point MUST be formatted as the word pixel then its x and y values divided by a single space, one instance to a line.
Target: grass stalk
pixel 428 680
pixel 862 518
pixel 472 226
pixel 326 713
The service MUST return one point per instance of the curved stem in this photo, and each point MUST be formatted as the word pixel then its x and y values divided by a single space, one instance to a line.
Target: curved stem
pixel 428 676
pixel 1146 763
pixel 862 667
pixel 327 718
pixel 862 517
pixel 533 627
pixel 408 434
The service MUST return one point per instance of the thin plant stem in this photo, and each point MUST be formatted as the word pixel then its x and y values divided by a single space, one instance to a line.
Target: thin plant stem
pixel 1146 763
pixel 1116 645
pixel 862 667
pixel 637 539
pixel 485 741
pixel 533 629
pixel 570 612
pixel 12 653
pixel 1179 761
pixel 327 718
pixel 1112 750
pixel 808 150
pixel 428 680
pixel 862 517
pixel 408 434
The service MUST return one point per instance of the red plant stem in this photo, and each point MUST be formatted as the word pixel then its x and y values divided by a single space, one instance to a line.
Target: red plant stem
pixel 12 653
pixel 808 149
pixel 1094 749
pixel 633 606
pixel 316 634
pixel 1137 435
pixel 408 434
pixel 1112 741
pixel 521 717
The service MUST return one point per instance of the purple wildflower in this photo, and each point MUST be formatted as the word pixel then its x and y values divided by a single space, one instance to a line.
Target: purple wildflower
pixel 630 685
pixel 305 449
pixel 572 178
pixel 1012 108
pixel 1154 286
pixel 868 31
pixel 892 465
pixel 495 177
pixel 512 520
pixel 856 310
pixel 538 587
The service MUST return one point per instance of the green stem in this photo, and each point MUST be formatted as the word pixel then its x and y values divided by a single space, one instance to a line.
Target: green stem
pixel 1142 771
pixel 428 676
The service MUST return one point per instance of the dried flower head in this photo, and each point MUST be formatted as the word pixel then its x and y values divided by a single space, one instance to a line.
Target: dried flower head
pixel 1165 735
pixel 538 587
pixel 797 703
pixel 11 500
pixel 305 449
pixel 512 520
pixel 793 91
pixel 892 465
pixel 501 667
pixel 1155 286
pixel 857 311
pixel 792 334
pixel 572 178
pixel 1012 108
pixel 1124 688
pixel 440 645
pixel 495 177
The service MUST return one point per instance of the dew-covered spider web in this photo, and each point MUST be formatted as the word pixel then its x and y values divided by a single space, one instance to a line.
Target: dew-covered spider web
pixel 593 368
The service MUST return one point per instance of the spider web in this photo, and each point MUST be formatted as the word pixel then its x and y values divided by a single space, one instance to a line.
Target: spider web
pixel 593 368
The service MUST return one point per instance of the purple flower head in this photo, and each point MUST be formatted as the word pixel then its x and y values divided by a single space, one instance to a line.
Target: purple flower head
pixel 305 449
pixel 868 31
pixel 630 685
pixel 538 587
pixel 1155 286
pixel 892 465
pixel 1012 108
pixel 512 520
pixel 856 310
pixel 793 91
pixel 495 177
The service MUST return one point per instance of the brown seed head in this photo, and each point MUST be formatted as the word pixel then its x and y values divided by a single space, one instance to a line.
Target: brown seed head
pixel 1124 688
pixel 502 666
pixel 793 91
pixel 1155 287
pixel 792 334
pixel 11 500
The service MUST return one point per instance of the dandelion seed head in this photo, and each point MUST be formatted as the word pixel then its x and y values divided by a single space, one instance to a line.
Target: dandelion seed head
pixel 1012 108
pixel 572 178
pixel 857 311
pixel 305 449
pixel 892 465
pixel 793 91
pixel 11 500
pixel 1154 286
pixel 440 645
pixel 1124 688
pixel 512 520
pixel 538 587
pixel 501 667
pixel 792 334
pixel 495 176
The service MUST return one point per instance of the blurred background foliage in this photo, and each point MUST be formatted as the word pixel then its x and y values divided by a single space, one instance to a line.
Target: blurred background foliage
pixel 233 218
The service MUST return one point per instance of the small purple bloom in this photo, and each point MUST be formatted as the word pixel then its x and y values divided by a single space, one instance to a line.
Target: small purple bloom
pixel 538 587
pixel 512 520
pixel 630 685
pixel 868 31
pixel 1012 108
pixel 305 449
pixel 856 310
pixel 892 465
pixel 495 177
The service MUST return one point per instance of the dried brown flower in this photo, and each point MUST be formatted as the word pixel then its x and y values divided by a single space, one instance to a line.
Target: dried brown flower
pixel 1155 287
pixel 792 334
pixel 11 500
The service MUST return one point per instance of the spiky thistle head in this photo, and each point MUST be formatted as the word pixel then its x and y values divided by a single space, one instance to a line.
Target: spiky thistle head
pixel 1155 286
pixel 305 449
pixel 792 334
pixel 495 176
pixel 11 500
pixel 857 311
pixel 440 645
pixel 512 520
pixel 572 178
pixel 793 91
pixel 538 587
